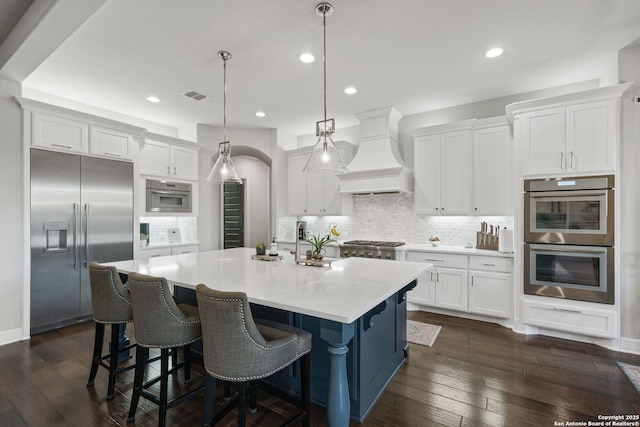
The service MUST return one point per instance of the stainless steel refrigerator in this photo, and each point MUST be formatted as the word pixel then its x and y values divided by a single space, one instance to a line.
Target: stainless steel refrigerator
pixel 81 211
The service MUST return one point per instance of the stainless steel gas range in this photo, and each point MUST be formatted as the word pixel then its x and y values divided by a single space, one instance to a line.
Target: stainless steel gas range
pixel 369 249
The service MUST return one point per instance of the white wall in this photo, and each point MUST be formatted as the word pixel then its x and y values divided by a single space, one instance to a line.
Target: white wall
pixel 629 192
pixel 11 212
pixel 257 199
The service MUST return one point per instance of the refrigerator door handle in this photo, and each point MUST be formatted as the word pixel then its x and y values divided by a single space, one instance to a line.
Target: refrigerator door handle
pixel 75 236
pixel 86 235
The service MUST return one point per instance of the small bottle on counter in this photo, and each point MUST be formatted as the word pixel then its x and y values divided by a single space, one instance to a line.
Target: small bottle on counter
pixel 273 248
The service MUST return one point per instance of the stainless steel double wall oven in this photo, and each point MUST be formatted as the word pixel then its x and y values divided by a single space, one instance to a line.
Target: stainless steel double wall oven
pixel 569 238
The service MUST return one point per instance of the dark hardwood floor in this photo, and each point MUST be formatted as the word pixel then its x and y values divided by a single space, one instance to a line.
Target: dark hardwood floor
pixel 476 374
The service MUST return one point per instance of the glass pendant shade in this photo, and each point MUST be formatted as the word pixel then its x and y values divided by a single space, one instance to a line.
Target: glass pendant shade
pixel 325 155
pixel 224 170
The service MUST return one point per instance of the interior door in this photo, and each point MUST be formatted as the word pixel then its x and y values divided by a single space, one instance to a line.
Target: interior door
pixel 233 215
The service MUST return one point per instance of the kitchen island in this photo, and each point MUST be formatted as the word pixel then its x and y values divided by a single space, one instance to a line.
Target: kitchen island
pixel 355 309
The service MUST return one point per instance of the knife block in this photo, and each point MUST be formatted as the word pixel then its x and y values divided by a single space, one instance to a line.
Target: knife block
pixel 486 241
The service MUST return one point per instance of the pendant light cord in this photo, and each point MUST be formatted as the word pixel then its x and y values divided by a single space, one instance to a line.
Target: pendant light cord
pixel 324 62
pixel 224 114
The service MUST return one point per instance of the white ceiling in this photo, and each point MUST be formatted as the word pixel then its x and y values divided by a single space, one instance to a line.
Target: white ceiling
pixel 415 55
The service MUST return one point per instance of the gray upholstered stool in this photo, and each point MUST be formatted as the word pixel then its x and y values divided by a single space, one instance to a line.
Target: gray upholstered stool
pixel 237 349
pixel 160 323
pixel 111 306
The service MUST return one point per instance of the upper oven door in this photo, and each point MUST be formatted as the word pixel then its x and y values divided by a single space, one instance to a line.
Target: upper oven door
pixel 580 217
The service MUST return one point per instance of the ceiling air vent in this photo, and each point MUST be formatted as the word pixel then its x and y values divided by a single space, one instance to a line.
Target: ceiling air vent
pixel 195 95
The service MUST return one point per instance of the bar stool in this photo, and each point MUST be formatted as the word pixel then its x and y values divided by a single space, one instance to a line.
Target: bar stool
pixel 160 323
pixel 238 349
pixel 111 305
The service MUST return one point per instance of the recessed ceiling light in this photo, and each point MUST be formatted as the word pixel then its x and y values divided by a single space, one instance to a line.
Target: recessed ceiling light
pixel 260 114
pixel 307 58
pixel 153 99
pixel 492 53
pixel 350 90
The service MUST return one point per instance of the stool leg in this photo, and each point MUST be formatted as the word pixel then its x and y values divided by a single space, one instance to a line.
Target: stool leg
pixel 187 362
pixel 174 356
pixel 241 404
pixel 209 399
pixel 113 358
pixel 97 353
pixel 142 354
pixel 164 386
pixel 304 387
pixel 227 391
pixel 253 397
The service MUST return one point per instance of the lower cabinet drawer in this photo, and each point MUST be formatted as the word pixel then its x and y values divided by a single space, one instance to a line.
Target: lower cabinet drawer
pixel 439 259
pixel 579 320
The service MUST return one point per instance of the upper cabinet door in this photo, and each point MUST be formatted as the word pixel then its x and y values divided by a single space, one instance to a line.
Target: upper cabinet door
pixel 297 184
pixel 427 175
pixel 543 142
pixel 454 173
pixel 155 158
pixel 491 171
pixel 184 163
pixel 59 133
pixel 591 137
pixel 111 143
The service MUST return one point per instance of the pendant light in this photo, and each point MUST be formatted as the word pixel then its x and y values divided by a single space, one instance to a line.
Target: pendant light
pixel 325 155
pixel 224 170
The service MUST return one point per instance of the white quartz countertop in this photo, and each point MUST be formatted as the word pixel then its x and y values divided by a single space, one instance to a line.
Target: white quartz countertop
pixel 342 293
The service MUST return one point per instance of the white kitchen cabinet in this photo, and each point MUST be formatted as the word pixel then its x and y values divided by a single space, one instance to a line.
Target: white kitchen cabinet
pixel 110 143
pixel 316 193
pixel 445 285
pixel 491 286
pixel 441 170
pixel 491 168
pixel 147 253
pixel 570 316
pixel 571 134
pixel 163 159
pixel 59 133
pixel 185 249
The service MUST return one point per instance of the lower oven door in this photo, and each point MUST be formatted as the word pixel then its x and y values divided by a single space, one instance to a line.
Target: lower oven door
pixel 583 273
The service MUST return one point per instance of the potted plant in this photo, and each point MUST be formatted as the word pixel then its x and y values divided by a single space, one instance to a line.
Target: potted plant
pixel 261 249
pixel 317 244
pixel 309 254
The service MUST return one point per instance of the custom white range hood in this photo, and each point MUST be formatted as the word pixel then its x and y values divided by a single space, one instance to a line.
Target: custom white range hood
pixel 377 166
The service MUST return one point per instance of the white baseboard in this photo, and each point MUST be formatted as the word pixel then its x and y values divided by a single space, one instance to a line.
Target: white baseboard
pixel 630 345
pixel 12 335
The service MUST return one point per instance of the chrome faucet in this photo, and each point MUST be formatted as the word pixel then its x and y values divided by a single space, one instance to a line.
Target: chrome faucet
pixel 301 234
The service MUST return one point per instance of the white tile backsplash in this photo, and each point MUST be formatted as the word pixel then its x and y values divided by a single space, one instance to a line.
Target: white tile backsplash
pixel 391 217
pixel 159 226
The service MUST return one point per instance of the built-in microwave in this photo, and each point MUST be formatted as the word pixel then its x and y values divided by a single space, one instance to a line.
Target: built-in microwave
pixel 571 211
pixel 166 196
pixel 583 273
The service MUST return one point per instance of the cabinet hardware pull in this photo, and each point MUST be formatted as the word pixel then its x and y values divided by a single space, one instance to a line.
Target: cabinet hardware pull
pixel 570 159
pixel 567 310
pixel 174 171
pixel 112 154
pixel 489 265
pixel 168 170
pixel 86 235
pixel 61 146
pixel 76 210
pixel 471 280
pixel 561 160
pixel 438 277
pixel 431 278
pixel 434 260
